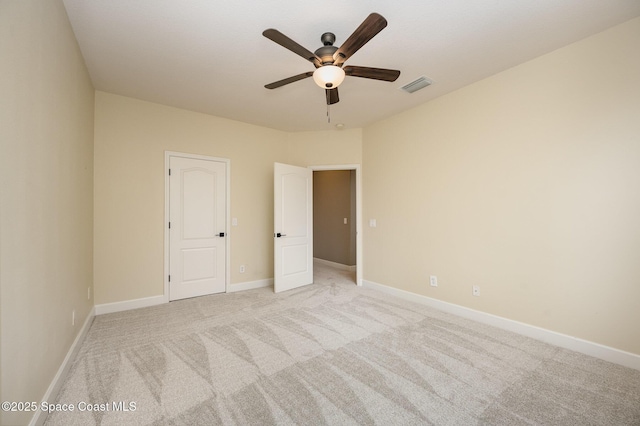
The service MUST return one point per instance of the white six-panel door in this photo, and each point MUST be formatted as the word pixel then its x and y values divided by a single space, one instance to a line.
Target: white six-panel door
pixel 197 216
pixel 293 233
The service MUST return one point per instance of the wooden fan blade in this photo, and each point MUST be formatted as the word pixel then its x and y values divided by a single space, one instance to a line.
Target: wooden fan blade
pixel 295 78
pixel 287 43
pixel 374 73
pixel 332 96
pixel 365 32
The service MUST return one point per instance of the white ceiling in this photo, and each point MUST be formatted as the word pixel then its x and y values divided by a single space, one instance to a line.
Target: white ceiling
pixel 210 56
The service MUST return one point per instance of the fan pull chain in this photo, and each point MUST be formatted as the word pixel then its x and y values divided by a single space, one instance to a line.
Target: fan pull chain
pixel 328 113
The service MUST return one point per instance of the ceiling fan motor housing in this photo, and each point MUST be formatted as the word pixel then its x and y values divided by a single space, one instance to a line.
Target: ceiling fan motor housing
pixel 325 53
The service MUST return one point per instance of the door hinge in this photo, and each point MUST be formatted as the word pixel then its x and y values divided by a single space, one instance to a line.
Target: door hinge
pixel 169 225
pixel 169 172
pixel 169 278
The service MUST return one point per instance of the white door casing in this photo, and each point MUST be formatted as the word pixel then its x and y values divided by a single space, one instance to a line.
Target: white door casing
pixel 197 231
pixel 293 227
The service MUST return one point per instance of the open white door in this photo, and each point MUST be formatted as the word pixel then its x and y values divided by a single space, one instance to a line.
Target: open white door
pixel 293 229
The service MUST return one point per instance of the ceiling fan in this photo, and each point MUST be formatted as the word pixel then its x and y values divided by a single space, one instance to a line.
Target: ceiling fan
pixel 329 59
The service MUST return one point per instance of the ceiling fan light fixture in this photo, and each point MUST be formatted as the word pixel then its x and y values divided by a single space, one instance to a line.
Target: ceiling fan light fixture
pixel 328 76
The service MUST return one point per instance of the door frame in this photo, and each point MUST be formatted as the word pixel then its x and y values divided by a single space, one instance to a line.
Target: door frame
pixel 356 167
pixel 227 242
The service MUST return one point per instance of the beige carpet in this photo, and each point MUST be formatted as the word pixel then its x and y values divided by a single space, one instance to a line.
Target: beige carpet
pixel 331 353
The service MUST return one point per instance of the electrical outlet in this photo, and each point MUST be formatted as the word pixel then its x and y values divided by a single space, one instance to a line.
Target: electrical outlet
pixel 433 280
pixel 73 317
pixel 242 269
pixel 475 290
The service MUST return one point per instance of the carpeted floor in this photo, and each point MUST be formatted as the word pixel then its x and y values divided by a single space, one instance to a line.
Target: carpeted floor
pixel 331 353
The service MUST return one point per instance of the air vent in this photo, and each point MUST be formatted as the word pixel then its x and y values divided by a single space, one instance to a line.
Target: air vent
pixel 417 84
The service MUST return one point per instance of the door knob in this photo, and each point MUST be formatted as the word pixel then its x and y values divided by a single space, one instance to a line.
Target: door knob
pixel 280 235
pixel 220 234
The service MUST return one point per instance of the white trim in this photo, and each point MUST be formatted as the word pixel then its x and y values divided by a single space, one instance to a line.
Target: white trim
pixel 586 347
pixel 145 302
pixel 357 168
pixel 250 285
pixel 126 305
pixel 341 266
pixel 167 158
pixel 167 155
pixel 54 387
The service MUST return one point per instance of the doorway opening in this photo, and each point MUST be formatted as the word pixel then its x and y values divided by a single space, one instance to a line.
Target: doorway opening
pixel 336 220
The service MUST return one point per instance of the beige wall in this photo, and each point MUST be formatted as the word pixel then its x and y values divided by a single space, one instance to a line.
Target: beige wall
pixel 526 184
pixel 330 147
pixel 131 138
pixel 332 203
pixel 46 162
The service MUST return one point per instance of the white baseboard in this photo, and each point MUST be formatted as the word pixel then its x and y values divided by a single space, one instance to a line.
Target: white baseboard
pixel 52 392
pixel 586 347
pixel 108 308
pixel 250 285
pixel 126 305
pixel 335 264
